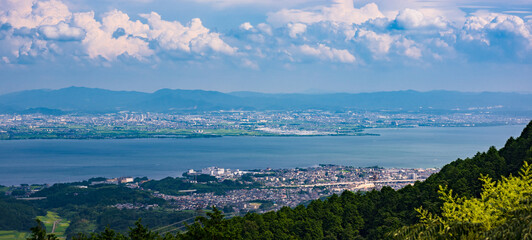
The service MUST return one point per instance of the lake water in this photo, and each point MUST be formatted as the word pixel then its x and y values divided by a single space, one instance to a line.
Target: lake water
pixel 50 161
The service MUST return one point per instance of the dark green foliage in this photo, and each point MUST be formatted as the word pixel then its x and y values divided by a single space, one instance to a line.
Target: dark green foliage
pixel 139 232
pixel 16 214
pixel 100 217
pixel 60 195
pixel 247 177
pixel 335 218
pixel 168 185
pixel 38 232
pixel 203 178
pixel 121 219
pixel 516 151
pixel 206 183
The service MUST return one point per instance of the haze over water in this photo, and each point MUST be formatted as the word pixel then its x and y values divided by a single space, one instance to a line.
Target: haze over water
pixel 51 161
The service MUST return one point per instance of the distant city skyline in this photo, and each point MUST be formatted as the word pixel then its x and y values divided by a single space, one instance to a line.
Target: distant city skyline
pixel 300 46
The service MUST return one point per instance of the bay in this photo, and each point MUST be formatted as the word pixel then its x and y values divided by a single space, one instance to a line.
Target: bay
pixel 52 161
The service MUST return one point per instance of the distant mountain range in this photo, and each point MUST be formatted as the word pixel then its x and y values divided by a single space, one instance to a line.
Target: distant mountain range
pixel 94 100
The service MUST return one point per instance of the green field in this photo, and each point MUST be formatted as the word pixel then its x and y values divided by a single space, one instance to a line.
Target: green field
pixel 60 226
pixel 13 235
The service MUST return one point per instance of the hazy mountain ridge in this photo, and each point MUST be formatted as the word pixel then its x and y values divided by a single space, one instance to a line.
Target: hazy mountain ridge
pixel 80 99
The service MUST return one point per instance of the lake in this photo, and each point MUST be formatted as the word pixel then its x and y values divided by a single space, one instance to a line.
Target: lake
pixel 51 161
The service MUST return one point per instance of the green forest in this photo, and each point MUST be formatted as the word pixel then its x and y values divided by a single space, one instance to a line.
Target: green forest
pixel 486 196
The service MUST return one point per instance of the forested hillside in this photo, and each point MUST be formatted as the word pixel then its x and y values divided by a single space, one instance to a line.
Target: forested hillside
pixel 365 215
pixel 17 215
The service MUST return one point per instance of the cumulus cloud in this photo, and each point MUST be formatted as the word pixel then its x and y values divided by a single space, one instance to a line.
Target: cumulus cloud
pixel 271 3
pixel 326 53
pixel 99 40
pixel 409 31
pixel 411 18
pixel 481 25
pixel 296 29
pixel 496 36
pixel 191 38
pixel 341 11
pixel 246 26
pixel 31 23
pixel 380 30
pixel 115 19
pixel 62 32
pixel 31 13
pixel 379 44
pixel 409 48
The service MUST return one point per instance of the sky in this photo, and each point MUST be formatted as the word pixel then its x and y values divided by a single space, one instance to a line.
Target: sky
pixel 273 46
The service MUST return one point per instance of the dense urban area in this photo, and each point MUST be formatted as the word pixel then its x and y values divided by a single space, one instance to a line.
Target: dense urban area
pixel 253 190
pixel 237 123
pixel 291 187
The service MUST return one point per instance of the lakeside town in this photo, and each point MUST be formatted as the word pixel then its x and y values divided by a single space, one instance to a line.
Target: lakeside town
pixel 258 190
pixel 127 124
pixel 291 187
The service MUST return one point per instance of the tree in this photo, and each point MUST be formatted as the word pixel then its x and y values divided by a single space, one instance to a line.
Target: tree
pixel 139 232
pixel 39 232
pixel 503 211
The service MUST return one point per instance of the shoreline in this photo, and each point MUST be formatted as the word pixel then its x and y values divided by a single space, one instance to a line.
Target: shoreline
pixel 251 171
pixel 255 134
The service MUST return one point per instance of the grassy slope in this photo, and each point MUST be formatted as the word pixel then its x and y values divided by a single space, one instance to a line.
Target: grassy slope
pixel 60 227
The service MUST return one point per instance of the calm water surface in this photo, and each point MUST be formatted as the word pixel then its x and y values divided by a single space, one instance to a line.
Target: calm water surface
pixel 50 161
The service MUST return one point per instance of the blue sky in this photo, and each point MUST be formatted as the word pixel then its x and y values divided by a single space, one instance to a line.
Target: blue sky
pixel 267 45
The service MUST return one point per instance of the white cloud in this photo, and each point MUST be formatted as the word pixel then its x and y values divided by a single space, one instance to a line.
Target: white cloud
pixel 33 22
pixel 31 13
pixel 295 29
pixel 326 53
pixel 246 26
pixel 411 18
pixel 191 38
pixel 379 44
pixel 450 10
pixel 62 31
pixel 408 48
pixel 488 27
pixel 114 20
pixel 341 11
pixel 382 30
pixel 261 3
pixel 99 40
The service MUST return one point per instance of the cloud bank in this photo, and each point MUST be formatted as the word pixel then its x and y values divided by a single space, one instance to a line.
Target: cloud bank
pixel 36 28
pixel 337 33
